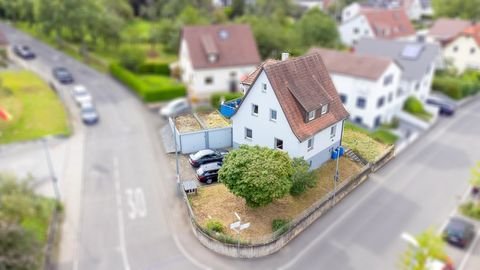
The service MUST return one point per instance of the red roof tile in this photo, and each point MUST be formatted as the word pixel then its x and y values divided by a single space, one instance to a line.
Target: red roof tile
pixel 228 45
pixel 445 29
pixel 474 32
pixel 389 23
pixel 303 84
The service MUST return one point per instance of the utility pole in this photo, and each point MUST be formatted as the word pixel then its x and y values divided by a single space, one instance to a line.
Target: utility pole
pixel 177 168
pixel 51 170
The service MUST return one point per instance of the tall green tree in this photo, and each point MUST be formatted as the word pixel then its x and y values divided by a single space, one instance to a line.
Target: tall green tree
pixel 257 174
pixel 317 29
pixel 430 246
pixel 466 9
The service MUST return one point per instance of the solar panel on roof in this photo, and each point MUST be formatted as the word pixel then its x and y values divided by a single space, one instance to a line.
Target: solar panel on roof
pixel 412 51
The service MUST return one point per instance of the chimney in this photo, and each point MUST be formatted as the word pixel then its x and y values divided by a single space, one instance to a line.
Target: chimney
pixel 285 56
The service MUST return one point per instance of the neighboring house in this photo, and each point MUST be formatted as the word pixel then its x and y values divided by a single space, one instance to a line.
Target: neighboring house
pixel 415 9
pixel 416 59
pixel 463 52
pixel 444 30
pixel 214 58
pixel 291 105
pixel 227 3
pixel 360 22
pixel 367 85
pixel 321 4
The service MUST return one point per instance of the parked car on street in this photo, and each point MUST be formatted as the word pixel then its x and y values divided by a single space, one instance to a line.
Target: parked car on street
pixel 62 75
pixel 89 114
pixel 445 107
pixel 206 156
pixel 81 95
pixel 24 52
pixel 175 107
pixel 208 173
pixel 459 232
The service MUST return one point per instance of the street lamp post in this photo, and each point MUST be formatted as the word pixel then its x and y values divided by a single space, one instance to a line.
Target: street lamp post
pixel 336 176
pixel 51 170
pixel 177 168
pixel 238 227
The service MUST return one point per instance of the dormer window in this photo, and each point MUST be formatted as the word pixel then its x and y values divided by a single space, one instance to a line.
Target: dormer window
pixel 311 115
pixel 324 109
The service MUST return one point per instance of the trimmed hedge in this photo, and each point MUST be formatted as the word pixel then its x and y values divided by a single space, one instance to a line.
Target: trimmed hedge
pixel 215 99
pixel 457 87
pixel 148 92
pixel 154 68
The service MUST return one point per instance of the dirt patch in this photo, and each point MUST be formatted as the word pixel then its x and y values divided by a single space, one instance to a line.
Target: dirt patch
pixel 213 119
pixel 219 203
pixel 187 123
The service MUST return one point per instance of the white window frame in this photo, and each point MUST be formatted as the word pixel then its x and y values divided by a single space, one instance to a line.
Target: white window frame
pixel 264 87
pixel 333 131
pixel 246 134
pixel 276 115
pixel 324 109
pixel 253 109
pixel 310 143
pixel 275 144
pixel 311 115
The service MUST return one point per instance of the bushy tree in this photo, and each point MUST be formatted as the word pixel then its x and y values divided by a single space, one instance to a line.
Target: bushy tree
pixel 466 9
pixel 131 57
pixel 302 177
pixel 317 29
pixel 257 174
pixel 430 246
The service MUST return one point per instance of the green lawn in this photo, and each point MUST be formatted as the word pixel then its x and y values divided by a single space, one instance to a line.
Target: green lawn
pixel 368 145
pixel 36 110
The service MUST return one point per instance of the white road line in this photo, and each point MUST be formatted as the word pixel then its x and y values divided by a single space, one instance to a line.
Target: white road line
pixel 464 261
pixel 121 223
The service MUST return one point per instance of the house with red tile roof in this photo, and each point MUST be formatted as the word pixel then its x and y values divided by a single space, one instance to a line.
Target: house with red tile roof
pixel 291 105
pixel 460 42
pixel 213 58
pixel 367 85
pixel 362 21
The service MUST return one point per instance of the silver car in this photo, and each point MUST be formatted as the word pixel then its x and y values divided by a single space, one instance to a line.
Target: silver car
pixel 81 95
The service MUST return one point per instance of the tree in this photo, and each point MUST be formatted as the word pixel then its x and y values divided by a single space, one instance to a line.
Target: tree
pixel 131 57
pixel 257 174
pixel 317 29
pixel 169 35
pixel 430 246
pixel 302 177
pixel 238 8
pixel 465 9
pixel 19 248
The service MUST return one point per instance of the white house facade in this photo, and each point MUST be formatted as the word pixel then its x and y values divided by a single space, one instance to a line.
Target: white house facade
pixel 262 120
pixel 215 58
pixel 464 52
pixel 355 29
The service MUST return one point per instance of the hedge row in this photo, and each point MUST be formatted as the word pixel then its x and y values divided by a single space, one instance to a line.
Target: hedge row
pixel 147 92
pixel 154 68
pixel 215 99
pixel 457 87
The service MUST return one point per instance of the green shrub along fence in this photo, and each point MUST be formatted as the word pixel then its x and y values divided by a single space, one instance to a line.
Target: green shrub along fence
pixel 215 99
pixel 154 68
pixel 147 91
pixel 457 87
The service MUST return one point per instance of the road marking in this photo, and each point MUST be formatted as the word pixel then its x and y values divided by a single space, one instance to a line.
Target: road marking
pixel 121 224
pixel 136 202
pixel 464 261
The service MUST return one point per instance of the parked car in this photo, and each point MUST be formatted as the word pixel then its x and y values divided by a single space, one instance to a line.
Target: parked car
pixel 206 156
pixel 175 107
pixel 62 75
pixel 81 95
pixel 208 173
pixel 459 232
pixel 23 52
pixel 89 114
pixel 445 107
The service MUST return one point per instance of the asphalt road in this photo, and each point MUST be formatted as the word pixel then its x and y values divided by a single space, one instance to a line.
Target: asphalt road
pixel 132 218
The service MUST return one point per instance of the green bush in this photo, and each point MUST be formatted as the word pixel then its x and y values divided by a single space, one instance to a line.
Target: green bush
pixel 449 86
pixel 471 209
pixel 149 92
pixel 302 177
pixel 384 136
pixel 215 99
pixel 413 105
pixel 215 226
pixel 457 87
pixel 154 68
pixel 131 58
pixel 280 225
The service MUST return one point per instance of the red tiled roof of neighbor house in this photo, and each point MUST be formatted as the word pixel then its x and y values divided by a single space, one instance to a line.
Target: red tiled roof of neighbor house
pixel 347 63
pixel 302 85
pixel 474 32
pixel 216 46
pixel 388 23
pixel 445 29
